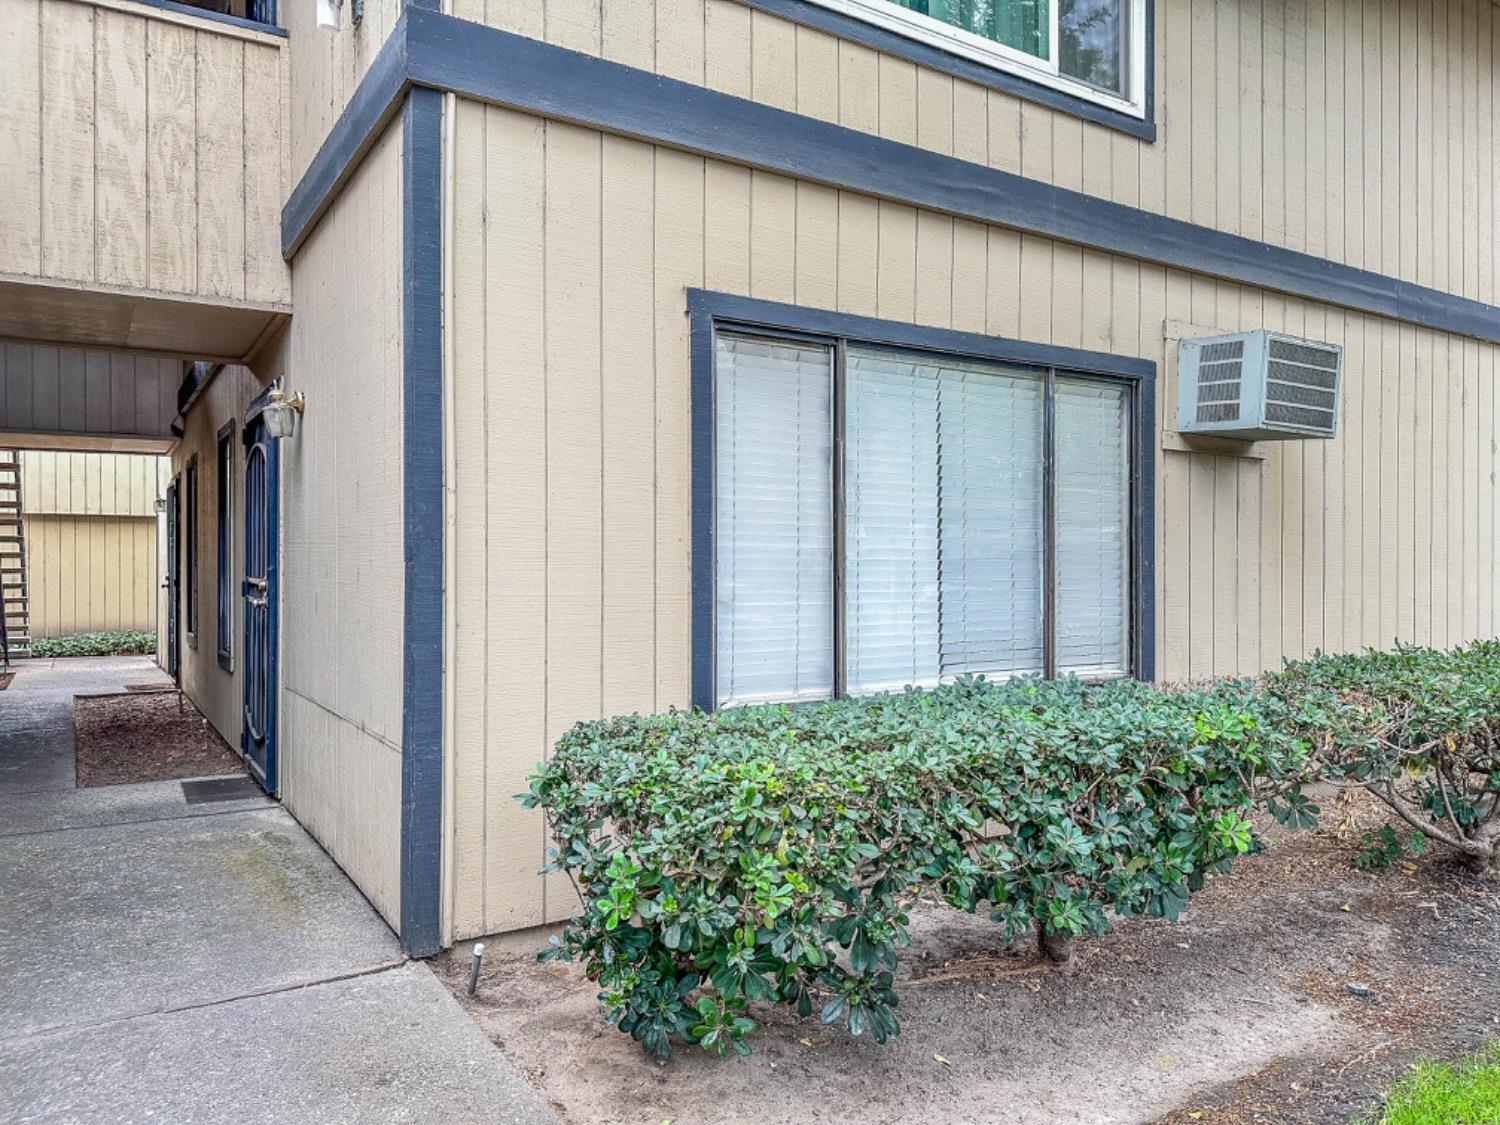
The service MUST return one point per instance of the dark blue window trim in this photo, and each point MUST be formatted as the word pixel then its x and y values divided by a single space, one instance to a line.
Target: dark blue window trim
pixel 440 52
pixel 224 483
pixel 269 26
pixel 422 506
pixel 710 310
pixel 935 58
pixel 190 521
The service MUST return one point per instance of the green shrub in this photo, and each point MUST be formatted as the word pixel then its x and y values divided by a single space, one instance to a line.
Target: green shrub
pixel 771 853
pixel 1420 729
pixel 128 643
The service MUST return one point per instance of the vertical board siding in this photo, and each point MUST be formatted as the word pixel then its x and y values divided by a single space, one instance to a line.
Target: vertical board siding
pixel 342 581
pixel 92 560
pixel 88 574
pixel 570 476
pixel 326 66
pixel 141 153
pixel 66 390
pixel 1318 125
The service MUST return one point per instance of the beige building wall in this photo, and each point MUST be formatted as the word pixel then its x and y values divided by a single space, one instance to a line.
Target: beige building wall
pixel 92 560
pixel 1363 131
pixel 341 531
pixel 145 151
pixel 327 66
pixel 218 692
pixel 570 469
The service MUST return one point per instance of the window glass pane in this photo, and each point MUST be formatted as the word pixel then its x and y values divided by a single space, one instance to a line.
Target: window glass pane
pixel 943 496
pixel 773 520
pixel 1022 24
pixel 990 473
pixel 1091 40
pixel 891 515
pixel 1093 529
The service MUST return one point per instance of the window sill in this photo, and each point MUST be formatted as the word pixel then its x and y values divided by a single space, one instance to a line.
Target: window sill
pixel 814 15
pixel 226 661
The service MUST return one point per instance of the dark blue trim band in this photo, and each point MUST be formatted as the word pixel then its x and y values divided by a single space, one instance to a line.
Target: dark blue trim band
pixel 710 311
pixel 422 508
pixel 215 17
pixel 890 42
pixel 371 108
pixel 493 66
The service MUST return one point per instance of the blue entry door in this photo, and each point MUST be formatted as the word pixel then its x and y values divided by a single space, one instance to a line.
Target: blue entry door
pixel 259 595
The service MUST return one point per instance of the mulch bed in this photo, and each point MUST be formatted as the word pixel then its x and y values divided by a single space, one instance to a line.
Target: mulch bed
pixel 158 736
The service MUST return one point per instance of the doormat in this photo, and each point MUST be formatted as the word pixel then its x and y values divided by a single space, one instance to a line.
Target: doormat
pixel 220 789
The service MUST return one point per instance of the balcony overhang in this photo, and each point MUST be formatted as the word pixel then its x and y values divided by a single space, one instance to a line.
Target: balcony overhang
pixel 119 319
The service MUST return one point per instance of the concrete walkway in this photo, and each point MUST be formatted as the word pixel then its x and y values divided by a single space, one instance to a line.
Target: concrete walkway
pixel 168 961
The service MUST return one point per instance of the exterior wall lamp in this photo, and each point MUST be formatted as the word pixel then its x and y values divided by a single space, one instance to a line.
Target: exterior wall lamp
pixel 328 14
pixel 281 413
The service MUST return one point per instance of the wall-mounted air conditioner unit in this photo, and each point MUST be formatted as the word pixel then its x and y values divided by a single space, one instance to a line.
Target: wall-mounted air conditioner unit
pixel 1258 386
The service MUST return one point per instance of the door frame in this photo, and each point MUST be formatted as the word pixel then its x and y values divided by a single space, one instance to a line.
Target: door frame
pixel 174 579
pixel 251 433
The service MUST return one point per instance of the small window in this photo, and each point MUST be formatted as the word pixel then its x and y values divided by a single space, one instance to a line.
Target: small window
pixel 251 11
pixel 1095 49
pixel 886 518
pixel 190 610
pixel 224 493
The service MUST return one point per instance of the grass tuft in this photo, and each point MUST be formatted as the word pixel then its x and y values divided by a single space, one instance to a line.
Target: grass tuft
pixel 1448 1093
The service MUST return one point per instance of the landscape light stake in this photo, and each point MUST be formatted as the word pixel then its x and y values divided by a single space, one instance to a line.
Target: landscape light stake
pixel 474 966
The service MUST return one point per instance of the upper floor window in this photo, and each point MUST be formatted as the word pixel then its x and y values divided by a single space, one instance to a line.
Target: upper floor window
pixel 251 11
pixel 1094 49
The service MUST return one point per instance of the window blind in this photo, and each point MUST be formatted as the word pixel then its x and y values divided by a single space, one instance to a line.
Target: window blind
pixel 773 520
pixel 943 500
pixel 891 501
pixel 1093 529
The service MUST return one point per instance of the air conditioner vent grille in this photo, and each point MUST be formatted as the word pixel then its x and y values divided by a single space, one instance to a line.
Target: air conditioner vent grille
pixel 1290 373
pixel 1219 392
pixel 1307 354
pixel 1224 351
pixel 1302 416
pixel 1218 412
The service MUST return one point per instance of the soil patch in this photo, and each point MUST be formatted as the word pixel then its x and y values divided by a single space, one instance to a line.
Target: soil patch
pixel 155 736
pixel 1293 990
pixel 5 679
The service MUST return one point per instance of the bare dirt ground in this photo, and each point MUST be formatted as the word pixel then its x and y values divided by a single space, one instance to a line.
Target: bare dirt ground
pixel 150 736
pixel 1241 1012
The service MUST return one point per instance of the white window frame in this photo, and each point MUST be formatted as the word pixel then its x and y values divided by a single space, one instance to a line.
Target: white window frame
pixel 935 33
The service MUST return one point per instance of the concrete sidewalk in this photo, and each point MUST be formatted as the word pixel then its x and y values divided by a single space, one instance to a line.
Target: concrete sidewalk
pixel 161 960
